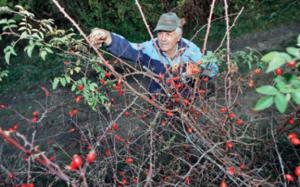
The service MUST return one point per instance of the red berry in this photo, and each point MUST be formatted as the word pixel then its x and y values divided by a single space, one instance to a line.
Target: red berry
pixel 186 102
pixel 66 62
pixel 129 160
pixel 115 126
pixel 107 152
pixel 295 141
pixel 14 127
pixel 35 113
pixel 232 115
pixel 119 138
pixel 291 121
pixel 201 92
pixel 91 156
pixel 135 180
pixel 239 122
pixel 10 175
pixel 126 113
pixel 229 144
pixel 124 181
pixel 291 64
pixel 250 83
pixel 223 109
pixel 2 106
pixel 73 112
pixel 163 123
pixel 187 180
pixel 107 75
pixel 80 87
pixel 297 171
pixel 279 71
pixel 257 71
pixel 27 185
pixel 289 178
pixel 231 170
pixel 161 76
pixel 169 114
pixel 52 157
pixel 190 130
pixel 242 166
pixel 76 162
pixel 292 135
pixel 35 119
pixel 223 184
pixel 77 99
pixel 205 79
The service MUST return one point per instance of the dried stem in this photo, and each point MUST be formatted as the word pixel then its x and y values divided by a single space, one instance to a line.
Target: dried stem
pixel 212 6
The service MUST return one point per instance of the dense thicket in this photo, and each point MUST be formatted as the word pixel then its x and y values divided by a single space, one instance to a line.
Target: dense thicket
pixel 123 16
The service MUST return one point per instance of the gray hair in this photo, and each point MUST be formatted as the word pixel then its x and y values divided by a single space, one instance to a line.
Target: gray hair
pixel 179 31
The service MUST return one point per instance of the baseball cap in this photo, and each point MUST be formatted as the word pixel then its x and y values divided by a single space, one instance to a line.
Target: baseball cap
pixel 167 22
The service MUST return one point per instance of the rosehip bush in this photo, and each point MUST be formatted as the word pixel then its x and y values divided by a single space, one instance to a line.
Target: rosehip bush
pixel 285 88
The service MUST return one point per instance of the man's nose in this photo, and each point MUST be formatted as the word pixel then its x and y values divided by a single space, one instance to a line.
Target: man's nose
pixel 163 36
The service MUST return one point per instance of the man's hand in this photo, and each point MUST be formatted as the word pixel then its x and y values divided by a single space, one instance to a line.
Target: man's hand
pixel 192 69
pixel 100 36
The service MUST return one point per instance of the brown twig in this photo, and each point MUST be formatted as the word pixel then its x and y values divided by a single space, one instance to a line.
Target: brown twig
pixel 39 157
pixel 212 6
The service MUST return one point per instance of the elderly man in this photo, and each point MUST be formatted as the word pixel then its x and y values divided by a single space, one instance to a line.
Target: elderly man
pixel 172 50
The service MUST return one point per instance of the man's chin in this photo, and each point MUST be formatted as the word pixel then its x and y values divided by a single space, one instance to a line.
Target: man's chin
pixel 164 49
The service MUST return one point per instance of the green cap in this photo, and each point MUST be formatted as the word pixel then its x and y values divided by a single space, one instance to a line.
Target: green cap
pixel 167 22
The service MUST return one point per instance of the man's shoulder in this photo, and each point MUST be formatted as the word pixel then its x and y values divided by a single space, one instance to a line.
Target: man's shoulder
pixel 189 43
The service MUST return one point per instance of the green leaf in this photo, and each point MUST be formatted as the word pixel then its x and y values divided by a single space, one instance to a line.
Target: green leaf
pixel 263 103
pixel 77 69
pixel 22 28
pixel 7 57
pixel 275 63
pixel 63 82
pixel 295 81
pixel 293 51
pixel 3 21
pixel 9 50
pixel 48 50
pixel 43 55
pixel 296 97
pixel 55 83
pixel 281 102
pixel 285 56
pixel 24 35
pixel 73 87
pixel 68 79
pixel 29 48
pixel 298 40
pixel 267 90
pixel 269 56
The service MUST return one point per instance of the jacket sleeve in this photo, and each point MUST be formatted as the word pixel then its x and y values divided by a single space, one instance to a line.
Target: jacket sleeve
pixel 122 48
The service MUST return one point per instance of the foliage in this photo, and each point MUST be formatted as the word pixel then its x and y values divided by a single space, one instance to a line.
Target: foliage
pixel 43 38
pixel 287 87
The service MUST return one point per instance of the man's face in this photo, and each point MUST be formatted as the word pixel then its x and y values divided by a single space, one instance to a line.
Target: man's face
pixel 167 40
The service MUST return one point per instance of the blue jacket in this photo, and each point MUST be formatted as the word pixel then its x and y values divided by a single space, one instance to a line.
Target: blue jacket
pixel 146 54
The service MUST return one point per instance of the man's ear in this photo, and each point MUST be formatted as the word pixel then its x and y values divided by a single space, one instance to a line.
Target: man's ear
pixel 182 22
